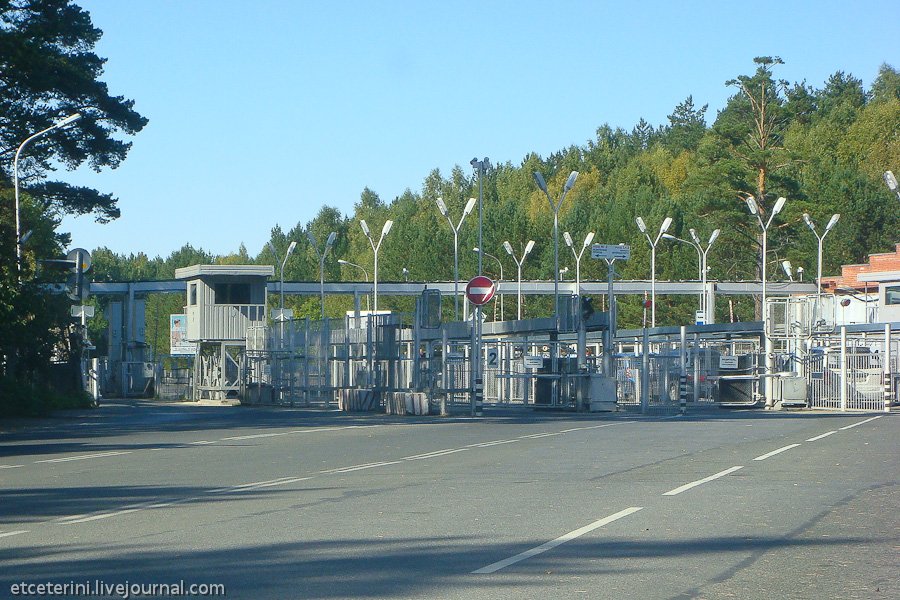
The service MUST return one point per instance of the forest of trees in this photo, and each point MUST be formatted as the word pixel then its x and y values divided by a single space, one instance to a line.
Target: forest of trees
pixel 823 148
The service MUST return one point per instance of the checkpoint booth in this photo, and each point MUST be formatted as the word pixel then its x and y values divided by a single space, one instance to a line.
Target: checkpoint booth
pixel 222 303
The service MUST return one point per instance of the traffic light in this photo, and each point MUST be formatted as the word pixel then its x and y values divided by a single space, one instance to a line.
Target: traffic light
pixel 587 308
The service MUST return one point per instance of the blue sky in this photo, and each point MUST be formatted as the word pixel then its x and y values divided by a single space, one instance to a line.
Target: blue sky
pixel 263 111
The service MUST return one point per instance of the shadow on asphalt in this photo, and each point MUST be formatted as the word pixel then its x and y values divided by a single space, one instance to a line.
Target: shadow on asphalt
pixel 423 567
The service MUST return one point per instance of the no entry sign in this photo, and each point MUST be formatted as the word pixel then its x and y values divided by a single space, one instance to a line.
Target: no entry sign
pixel 480 290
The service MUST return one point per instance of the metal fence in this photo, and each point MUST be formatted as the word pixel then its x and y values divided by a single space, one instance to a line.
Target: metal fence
pixel 305 362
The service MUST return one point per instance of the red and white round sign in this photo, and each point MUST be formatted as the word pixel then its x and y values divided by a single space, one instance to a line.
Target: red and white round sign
pixel 480 290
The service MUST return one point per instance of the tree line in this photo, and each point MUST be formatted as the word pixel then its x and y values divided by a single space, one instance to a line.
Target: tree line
pixel 822 148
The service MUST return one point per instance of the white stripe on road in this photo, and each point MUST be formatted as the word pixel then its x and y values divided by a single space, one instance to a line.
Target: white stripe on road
pixel 201 443
pixel 494 567
pixel 246 486
pixel 694 484
pixel 11 533
pixel 363 467
pixel 858 424
pixel 774 452
pixel 82 457
pixel 10 466
pixel 434 454
pixel 819 437
pixel 495 443
pixel 255 436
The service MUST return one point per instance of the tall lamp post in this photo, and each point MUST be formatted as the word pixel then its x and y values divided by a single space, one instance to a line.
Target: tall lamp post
pixel 670 237
pixel 891 182
pixel 480 166
pixel 321 256
pixel 500 264
pixel 509 250
pixel 341 261
pixel 443 208
pixel 554 206
pixel 375 247
pixel 769 347
pixel 587 242
pixel 754 210
pixel 287 254
pixel 821 238
pixel 704 270
pixel 61 123
pixel 662 229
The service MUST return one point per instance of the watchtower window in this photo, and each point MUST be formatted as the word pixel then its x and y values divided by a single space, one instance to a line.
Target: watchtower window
pixel 892 295
pixel 232 293
pixel 192 295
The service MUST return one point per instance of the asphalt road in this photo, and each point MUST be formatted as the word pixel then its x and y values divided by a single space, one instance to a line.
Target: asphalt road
pixel 291 503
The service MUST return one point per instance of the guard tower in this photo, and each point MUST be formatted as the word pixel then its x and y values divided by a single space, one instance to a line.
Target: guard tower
pixel 222 302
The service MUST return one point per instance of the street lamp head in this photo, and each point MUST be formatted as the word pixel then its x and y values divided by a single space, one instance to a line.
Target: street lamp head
pixel 570 182
pixel 588 239
pixel 70 119
pixel 341 261
pixel 779 204
pixel 365 226
pixel 669 236
pixel 891 181
pixel 441 206
pixel 786 265
pixel 528 247
pixel 714 236
pixel 694 235
pixel 539 179
pixel 506 246
pixel 312 240
pixel 641 225
pixel 667 222
pixel 568 237
pixel 387 227
pixel 290 249
pixel 751 204
pixel 271 248
pixel 469 206
pixel 809 222
pixel 834 219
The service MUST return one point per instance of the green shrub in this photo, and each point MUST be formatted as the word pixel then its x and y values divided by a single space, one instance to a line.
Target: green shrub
pixel 18 399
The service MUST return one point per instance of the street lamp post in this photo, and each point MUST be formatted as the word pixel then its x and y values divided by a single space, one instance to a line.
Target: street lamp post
pixel 821 239
pixel 500 264
pixel 375 247
pixel 341 261
pixel 554 206
pixel 769 347
pixel 61 123
pixel 587 242
pixel 443 208
pixel 509 250
pixel 754 210
pixel 704 270
pixel 287 254
pixel 662 229
pixel 321 256
pixel 480 166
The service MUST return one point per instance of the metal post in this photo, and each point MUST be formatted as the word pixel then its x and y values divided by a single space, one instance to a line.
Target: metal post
pixel 519 293
pixel 682 375
pixel 886 366
pixel 645 371
pixel 844 385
